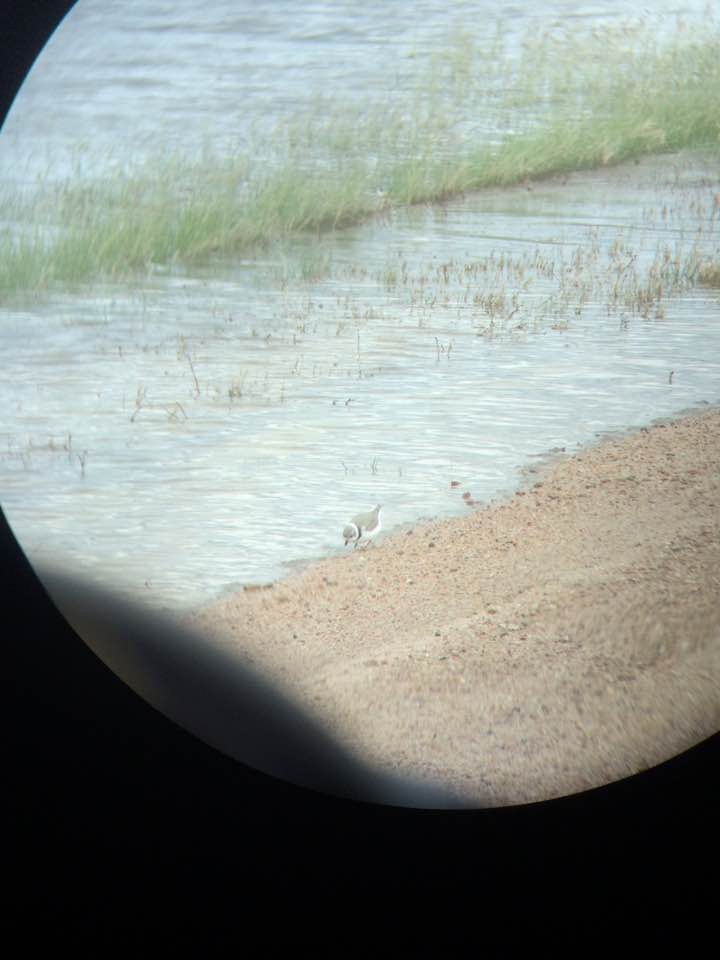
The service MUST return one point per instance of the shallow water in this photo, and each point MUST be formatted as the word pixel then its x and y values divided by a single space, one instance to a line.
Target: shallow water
pixel 200 431
pixel 117 82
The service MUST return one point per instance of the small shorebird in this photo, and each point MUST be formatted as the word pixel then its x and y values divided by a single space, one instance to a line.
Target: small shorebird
pixel 363 527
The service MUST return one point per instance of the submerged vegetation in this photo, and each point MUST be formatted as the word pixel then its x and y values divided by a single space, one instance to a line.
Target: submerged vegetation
pixel 479 115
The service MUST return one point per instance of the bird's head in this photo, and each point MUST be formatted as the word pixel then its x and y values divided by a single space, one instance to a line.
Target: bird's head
pixel 350 533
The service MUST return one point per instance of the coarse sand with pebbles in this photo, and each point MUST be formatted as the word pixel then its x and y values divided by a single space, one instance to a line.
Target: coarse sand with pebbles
pixel 557 641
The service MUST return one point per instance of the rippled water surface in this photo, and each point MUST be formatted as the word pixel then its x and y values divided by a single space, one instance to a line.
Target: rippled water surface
pixel 184 435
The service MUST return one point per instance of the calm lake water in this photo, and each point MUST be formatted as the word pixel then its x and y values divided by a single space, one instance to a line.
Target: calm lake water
pixel 186 434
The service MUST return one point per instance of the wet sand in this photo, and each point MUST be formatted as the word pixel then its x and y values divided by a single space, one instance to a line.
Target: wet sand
pixel 546 644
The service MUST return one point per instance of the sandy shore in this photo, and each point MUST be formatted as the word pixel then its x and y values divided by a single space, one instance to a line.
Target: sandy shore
pixel 557 641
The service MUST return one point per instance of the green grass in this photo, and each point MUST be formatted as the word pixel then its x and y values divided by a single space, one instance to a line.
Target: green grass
pixel 571 102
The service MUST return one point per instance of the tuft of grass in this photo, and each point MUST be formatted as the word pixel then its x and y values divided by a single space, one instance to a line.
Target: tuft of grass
pixel 709 274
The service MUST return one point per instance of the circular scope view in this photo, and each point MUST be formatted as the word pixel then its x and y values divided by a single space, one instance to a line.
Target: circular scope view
pixel 380 345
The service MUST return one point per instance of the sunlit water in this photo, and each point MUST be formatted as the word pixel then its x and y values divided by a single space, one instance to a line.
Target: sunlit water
pixel 202 431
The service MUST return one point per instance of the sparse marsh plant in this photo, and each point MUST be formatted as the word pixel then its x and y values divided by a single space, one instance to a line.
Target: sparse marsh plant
pixel 175 411
pixel 50 446
pixel 236 390
pixel 184 351
pixel 443 349
pixel 140 402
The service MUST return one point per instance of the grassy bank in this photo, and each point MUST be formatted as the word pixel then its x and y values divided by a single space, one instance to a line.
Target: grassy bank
pixel 480 114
